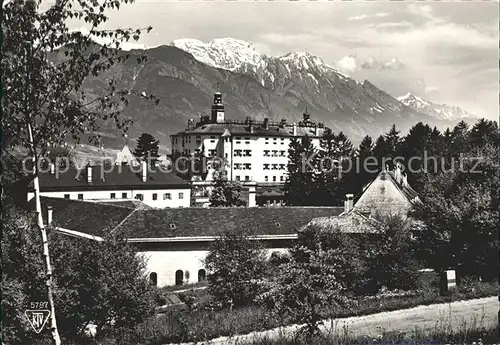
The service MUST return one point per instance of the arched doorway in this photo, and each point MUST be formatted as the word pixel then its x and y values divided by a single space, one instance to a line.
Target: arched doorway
pixel 153 278
pixel 179 277
pixel 202 275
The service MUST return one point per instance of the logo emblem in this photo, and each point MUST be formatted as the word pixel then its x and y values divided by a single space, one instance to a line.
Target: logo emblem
pixel 37 318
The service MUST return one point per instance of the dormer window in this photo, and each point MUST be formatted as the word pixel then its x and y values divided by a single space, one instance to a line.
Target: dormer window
pixel 277 224
pixel 172 226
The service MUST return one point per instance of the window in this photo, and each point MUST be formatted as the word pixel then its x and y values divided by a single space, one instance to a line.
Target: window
pixel 155 196
pixel 248 153
pixel 282 141
pixel 124 195
pixel 274 178
pixel 113 196
pixel 247 178
pixel 237 178
pixel 282 153
pixel 212 139
pixel 237 153
pixel 66 196
pixel 248 166
pixel 266 166
pixel 237 166
pixel 266 178
pixel 181 195
pixel 275 166
pixel 212 152
pixel 282 166
pixel 167 196
pixel 282 178
pixel 80 196
pixel 275 153
pixel 266 153
pixel 153 278
pixel 140 197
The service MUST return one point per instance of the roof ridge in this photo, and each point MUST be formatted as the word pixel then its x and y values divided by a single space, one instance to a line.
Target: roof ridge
pixel 124 220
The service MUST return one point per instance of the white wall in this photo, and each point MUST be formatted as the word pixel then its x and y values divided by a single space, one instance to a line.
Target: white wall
pixel 174 202
pixel 166 263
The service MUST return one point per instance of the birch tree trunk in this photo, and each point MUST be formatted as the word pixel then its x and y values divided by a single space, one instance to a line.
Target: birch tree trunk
pixel 45 243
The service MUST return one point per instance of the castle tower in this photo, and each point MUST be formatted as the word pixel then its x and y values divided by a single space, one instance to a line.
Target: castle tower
pixel 218 108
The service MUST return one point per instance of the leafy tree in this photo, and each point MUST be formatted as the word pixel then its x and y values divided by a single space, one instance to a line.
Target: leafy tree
pixel 459 216
pixel 313 280
pixel 300 186
pixel 102 283
pixel 392 262
pixel 39 53
pixel 236 266
pixel 225 193
pixel 147 149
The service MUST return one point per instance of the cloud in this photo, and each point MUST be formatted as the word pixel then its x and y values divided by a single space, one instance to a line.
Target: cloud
pixel 347 64
pixel 359 17
pixel 390 64
pixel 430 89
pixel 392 25
pixel 365 16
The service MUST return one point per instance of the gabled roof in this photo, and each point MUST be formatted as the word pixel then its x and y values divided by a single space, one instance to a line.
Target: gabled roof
pixel 113 177
pixel 98 219
pixel 125 156
pixel 349 222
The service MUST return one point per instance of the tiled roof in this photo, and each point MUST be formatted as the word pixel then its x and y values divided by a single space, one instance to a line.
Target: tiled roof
pixel 258 130
pixel 215 221
pixel 350 222
pixel 91 218
pixel 100 218
pixel 109 178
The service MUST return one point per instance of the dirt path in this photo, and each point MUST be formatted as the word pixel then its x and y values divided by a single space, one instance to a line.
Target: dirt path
pixel 455 314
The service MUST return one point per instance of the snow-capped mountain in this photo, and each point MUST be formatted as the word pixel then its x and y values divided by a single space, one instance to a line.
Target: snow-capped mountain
pixel 186 73
pixel 242 57
pixel 439 111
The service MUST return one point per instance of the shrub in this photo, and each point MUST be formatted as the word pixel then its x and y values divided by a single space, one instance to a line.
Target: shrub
pixel 315 278
pixel 236 266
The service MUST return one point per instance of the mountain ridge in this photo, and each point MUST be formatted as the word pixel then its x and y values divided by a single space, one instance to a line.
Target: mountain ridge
pixel 281 88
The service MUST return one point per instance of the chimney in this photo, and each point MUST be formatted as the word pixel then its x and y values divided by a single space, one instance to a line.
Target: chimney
pixel 294 129
pixel 190 124
pixel 266 123
pixel 52 168
pixel 405 180
pixel 348 203
pixel 49 215
pixel 89 173
pixel 397 173
pixel 144 171
pixel 316 130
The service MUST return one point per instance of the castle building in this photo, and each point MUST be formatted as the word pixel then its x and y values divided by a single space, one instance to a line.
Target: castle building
pixel 253 150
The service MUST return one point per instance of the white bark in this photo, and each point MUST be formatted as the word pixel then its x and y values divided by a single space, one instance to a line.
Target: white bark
pixel 45 244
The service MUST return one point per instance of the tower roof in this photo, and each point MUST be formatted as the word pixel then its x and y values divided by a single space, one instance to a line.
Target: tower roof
pixel 226 133
pixel 126 156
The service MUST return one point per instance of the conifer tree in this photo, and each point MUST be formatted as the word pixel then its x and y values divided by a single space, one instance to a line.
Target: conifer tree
pixel 300 185
pixel 393 139
pixel 147 148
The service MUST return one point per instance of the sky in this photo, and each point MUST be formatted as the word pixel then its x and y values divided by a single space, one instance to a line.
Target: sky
pixel 444 52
